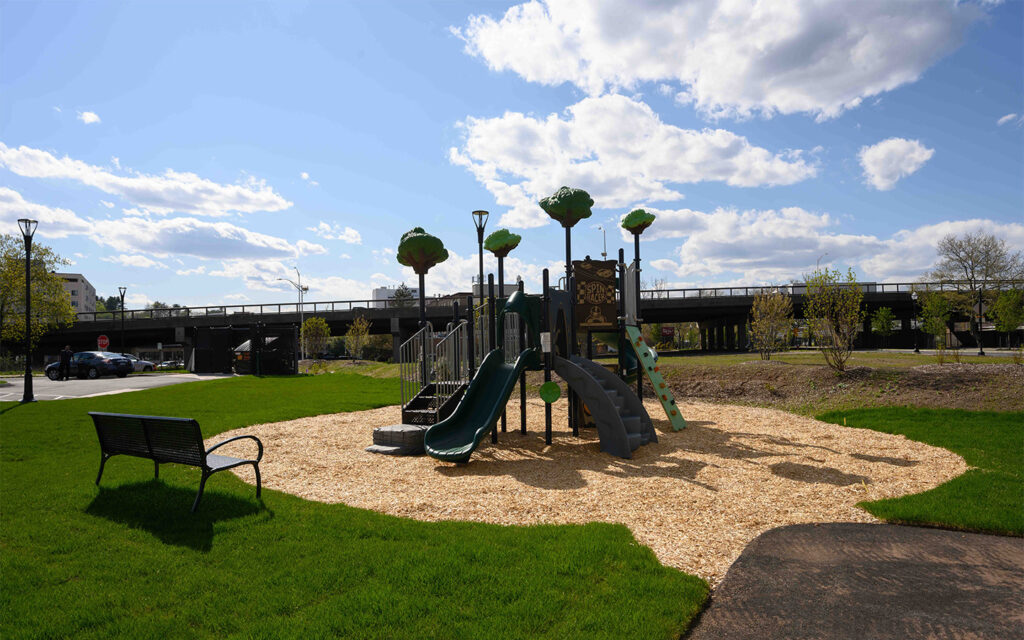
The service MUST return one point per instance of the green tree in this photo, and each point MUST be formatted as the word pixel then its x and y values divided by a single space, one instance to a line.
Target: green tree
pixel 110 303
pixel 881 323
pixel 357 336
pixel 1008 312
pixel 771 322
pixel 51 305
pixel 832 307
pixel 403 297
pixel 935 313
pixel 315 334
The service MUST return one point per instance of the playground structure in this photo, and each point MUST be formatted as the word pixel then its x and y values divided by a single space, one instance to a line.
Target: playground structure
pixel 455 384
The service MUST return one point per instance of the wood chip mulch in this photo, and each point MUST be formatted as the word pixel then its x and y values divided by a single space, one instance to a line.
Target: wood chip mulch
pixel 696 498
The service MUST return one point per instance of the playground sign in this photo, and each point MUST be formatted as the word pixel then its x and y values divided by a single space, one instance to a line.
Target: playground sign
pixel 102 342
pixel 595 294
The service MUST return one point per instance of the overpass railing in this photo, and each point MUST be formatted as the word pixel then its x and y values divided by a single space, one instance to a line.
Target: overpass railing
pixel 801 288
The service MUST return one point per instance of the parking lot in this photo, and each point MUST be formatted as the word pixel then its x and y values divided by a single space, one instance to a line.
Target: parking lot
pixel 45 389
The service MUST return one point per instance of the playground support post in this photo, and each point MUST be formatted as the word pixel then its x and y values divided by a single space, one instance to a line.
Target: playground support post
pixel 425 375
pixel 501 298
pixel 636 258
pixel 570 288
pixel 522 374
pixel 492 336
pixel 546 327
pixel 470 334
pixel 622 313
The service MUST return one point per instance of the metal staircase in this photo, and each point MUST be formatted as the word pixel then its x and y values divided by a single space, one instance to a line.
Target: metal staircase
pixel 434 373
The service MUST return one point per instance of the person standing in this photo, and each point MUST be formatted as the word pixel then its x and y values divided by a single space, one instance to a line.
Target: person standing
pixel 64 368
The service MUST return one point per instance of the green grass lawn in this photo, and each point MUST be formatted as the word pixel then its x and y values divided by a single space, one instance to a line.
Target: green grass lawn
pixel 988 498
pixel 128 560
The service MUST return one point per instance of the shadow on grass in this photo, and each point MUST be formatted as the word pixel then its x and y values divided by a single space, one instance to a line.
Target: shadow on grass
pixel 163 510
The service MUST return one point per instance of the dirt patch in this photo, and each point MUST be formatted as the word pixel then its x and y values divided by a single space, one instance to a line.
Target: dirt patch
pixel 696 498
pixel 815 389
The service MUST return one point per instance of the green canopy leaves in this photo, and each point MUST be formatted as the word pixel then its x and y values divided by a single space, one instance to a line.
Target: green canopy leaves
pixel 568 206
pixel 420 250
pixel 637 220
pixel 502 242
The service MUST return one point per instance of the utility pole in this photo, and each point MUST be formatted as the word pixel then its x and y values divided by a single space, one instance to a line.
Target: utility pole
pixel 301 289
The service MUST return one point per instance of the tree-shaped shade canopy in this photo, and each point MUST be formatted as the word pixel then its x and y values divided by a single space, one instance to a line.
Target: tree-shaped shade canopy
pixel 502 242
pixel 420 250
pixel 568 206
pixel 637 220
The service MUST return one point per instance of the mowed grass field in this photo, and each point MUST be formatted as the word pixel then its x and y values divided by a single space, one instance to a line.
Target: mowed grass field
pixel 128 560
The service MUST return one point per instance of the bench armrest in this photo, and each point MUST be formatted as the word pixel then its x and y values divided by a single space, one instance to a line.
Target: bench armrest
pixel 258 443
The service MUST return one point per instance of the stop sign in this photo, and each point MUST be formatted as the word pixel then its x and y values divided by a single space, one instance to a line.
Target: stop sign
pixel 103 342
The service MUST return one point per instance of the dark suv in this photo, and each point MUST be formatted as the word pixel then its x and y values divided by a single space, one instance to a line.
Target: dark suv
pixel 93 364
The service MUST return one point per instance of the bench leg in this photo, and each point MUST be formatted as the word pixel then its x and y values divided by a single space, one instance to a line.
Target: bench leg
pixel 156 470
pixel 103 461
pixel 199 495
pixel 259 482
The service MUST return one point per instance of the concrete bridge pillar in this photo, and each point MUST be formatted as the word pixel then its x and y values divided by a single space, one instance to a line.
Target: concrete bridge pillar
pixel 741 335
pixel 730 336
pixel 719 335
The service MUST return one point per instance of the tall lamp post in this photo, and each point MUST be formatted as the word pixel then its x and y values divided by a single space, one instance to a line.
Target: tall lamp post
pixel 122 291
pixel 480 222
pixel 604 242
pixel 301 289
pixel 28 229
pixel 913 296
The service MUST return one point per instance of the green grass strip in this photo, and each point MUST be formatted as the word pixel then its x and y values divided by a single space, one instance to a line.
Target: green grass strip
pixel 988 498
pixel 128 560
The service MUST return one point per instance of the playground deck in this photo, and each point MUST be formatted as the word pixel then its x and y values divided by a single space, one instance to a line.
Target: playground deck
pixel 697 497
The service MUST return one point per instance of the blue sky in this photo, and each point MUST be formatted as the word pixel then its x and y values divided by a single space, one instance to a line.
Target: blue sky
pixel 196 152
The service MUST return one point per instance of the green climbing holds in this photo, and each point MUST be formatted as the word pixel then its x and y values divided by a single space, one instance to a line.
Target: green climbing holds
pixel 549 392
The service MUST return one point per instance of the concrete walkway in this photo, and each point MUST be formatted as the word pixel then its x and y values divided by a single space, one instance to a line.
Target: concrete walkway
pixel 863 581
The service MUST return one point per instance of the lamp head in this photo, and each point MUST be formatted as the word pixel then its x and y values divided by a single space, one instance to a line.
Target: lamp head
pixel 28 227
pixel 480 219
pixel 122 290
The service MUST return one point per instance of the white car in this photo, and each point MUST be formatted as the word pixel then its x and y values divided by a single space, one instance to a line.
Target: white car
pixel 139 365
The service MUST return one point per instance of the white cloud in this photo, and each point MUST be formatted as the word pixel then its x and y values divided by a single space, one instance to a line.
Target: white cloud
pixel 310 248
pixel 305 176
pixel 886 162
pixel 190 237
pixel 134 260
pixel 88 117
pixel 201 269
pixel 165 193
pixel 345 256
pixel 1010 118
pixel 263 275
pixel 458 272
pixel 617 149
pixel 53 222
pixel 329 231
pixel 236 296
pixel 727 58
pixel 57 109
pixel 109 205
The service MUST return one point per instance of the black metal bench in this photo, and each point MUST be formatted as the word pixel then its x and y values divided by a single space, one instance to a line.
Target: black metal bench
pixel 163 439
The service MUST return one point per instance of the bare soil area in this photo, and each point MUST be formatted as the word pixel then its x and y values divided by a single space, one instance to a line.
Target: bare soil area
pixel 696 498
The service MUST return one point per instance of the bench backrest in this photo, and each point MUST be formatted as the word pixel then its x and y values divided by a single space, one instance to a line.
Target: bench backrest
pixel 160 438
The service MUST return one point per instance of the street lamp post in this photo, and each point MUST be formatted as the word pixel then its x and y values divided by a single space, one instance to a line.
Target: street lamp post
pixel 28 229
pixel 913 296
pixel 480 222
pixel 604 242
pixel 122 291
pixel 301 289
pixel 981 349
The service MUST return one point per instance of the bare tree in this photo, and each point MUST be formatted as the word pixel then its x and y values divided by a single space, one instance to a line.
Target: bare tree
pixel 315 334
pixel 833 310
pixel 357 336
pixel 771 322
pixel 976 260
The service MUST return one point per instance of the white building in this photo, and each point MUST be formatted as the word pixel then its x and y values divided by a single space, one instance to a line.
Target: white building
pixel 81 292
pixel 382 294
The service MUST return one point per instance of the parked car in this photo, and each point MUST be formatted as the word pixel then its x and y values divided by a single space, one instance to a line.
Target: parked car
pixel 170 364
pixel 139 364
pixel 92 365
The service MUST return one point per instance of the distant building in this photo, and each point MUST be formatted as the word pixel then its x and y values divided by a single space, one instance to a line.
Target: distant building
pixel 81 292
pixel 382 294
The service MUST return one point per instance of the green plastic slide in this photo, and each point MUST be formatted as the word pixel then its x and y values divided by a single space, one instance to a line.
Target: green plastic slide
pixel 650 367
pixel 455 438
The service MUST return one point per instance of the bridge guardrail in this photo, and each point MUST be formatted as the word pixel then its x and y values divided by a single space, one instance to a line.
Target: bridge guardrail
pixel 801 288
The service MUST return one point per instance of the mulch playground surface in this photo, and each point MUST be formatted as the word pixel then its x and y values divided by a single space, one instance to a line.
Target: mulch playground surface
pixel 856 581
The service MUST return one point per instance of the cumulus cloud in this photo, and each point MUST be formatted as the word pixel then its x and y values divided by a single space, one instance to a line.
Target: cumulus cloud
pixel 263 275
pixel 190 237
pixel 134 260
pixel 727 246
pixel 310 248
pixel 888 161
pixel 457 272
pixel 165 193
pixel 726 58
pixel 201 269
pixel 1010 118
pixel 109 205
pixel 305 176
pixel 53 222
pixel 88 117
pixel 615 147
pixel 329 231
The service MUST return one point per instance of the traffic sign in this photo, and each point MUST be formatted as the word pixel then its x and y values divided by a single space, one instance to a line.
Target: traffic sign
pixel 102 342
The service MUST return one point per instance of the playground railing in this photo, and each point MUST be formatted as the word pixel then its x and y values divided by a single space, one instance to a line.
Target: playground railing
pixel 451 363
pixel 510 341
pixel 415 362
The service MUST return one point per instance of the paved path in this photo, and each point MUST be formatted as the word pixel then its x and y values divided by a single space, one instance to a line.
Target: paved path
pixel 45 389
pixel 862 581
